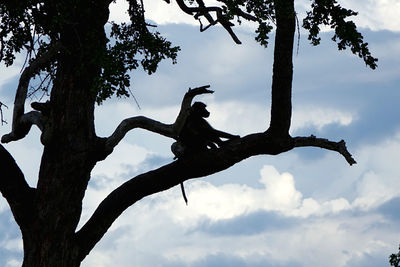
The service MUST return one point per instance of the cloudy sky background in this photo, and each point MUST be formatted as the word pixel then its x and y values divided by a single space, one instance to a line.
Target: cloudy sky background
pixel 306 207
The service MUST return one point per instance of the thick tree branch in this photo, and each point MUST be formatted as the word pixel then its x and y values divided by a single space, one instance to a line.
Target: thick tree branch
pixel 325 143
pixel 168 130
pixel 23 126
pixel 197 165
pixel 15 189
pixel 22 122
pixel 281 103
pixel 194 166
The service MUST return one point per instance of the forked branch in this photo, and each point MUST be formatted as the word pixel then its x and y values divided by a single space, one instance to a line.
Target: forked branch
pixel 193 166
pixel 204 11
pixel 168 130
pixel 22 123
pixel 163 178
pixel 15 189
pixel 339 147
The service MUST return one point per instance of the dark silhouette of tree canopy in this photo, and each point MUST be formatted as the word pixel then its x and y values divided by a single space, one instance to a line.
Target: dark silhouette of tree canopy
pixel 81 64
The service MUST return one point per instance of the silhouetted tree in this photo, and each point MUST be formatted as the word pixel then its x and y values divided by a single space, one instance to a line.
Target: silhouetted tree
pixel 80 63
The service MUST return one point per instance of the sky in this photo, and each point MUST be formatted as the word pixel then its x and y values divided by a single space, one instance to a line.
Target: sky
pixel 305 207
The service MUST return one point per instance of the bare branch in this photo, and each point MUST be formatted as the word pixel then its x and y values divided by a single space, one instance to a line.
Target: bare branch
pixel 168 130
pixel 138 122
pixel 21 124
pixel 22 128
pixel 15 189
pixel 325 143
pixel 203 10
pixel 1 113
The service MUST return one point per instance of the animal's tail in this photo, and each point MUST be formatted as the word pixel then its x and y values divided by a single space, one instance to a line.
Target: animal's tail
pixel 184 194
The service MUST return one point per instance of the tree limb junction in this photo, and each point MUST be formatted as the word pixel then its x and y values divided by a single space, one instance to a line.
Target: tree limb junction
pixel 22 123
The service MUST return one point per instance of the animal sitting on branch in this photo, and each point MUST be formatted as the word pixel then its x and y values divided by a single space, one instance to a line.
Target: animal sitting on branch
pixel 197 134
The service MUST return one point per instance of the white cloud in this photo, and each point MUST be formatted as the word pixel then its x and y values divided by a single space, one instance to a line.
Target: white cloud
pixel 164 224
pixel 238 117
pixel 380 179
pixel 278 193
pixel 13 263
pixel 120 161
pixel 111 173
pixel 318 117
pixel 27 153
pixel 3 205
pixel 163 13
pixel 324 229
pixel 373 14
pixel 376 14
pixel 232 200
pixel 158 11
pixel 119 11
pixel 243 118
pixel 7 74
pixel 332 242
pixel 126 108
pixel 12 244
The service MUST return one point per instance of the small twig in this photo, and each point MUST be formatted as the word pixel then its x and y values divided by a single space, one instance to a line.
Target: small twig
pixel 40 86
pixel 1 113
pixel 134 98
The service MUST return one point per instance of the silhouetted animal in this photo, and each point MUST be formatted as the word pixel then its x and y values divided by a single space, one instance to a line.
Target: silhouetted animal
pixel 197 134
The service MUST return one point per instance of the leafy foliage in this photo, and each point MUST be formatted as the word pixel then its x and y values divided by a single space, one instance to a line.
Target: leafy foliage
pixel 131 40
pixel 263 13
pixel 32 25
pixel 328 12
pixel 394 259
pixel 15 31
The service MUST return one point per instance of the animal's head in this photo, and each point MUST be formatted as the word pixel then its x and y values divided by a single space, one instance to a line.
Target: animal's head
pixel 199 109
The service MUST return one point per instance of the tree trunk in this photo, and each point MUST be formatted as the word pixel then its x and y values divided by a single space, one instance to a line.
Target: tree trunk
pixel 70 143
pixel 281 107
pixel 49 253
